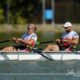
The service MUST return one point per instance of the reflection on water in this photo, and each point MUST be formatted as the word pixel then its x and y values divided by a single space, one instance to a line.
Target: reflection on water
pixel 40 70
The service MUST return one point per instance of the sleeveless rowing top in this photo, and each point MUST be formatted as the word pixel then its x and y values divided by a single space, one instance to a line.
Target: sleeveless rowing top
pixel 30 36
pixel 70 35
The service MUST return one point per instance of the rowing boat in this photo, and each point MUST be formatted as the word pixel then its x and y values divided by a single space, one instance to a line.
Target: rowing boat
pixel 61 55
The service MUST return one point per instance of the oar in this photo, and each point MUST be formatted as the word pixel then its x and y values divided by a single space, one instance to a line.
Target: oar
pixel 44 42
pixel 41 53
pixel 5 41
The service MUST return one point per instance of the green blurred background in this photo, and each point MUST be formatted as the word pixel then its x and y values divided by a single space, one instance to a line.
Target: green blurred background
pixel 27 11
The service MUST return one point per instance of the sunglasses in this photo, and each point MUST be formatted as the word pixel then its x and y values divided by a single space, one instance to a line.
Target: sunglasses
pixel 29 28
pixel 65 27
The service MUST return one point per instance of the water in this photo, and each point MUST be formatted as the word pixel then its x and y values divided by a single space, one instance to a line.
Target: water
pixel 40 70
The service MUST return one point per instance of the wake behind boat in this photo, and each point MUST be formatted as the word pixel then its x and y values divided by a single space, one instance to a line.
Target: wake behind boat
pixel 61 55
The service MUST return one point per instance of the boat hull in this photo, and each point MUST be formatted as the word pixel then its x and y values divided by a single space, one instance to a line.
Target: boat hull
pixel 36 56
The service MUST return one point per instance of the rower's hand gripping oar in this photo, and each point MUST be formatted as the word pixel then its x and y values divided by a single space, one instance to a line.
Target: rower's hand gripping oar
pixel 12 39
pixel 36 43
pixel 7 40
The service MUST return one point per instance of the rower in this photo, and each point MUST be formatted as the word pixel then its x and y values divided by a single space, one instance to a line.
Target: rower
pixel 67 42
pixel 27 41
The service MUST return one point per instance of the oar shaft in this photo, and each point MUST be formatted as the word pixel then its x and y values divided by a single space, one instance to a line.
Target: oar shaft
pixel 41 53
pixel 4 41
pixel 44 42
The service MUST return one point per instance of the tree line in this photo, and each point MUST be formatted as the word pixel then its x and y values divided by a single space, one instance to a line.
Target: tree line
pixel 25 11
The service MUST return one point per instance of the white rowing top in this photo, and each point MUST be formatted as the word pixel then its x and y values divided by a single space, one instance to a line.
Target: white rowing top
pixel 70 35
pixel 30 36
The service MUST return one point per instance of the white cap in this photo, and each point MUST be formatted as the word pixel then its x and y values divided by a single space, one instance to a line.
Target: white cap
pixel 67 24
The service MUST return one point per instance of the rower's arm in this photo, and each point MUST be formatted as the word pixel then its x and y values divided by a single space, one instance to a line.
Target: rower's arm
pixel 26 41
pixel 30 42
pixel 74 41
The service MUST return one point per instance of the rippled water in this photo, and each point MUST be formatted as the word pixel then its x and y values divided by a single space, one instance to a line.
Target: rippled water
pixel 40 70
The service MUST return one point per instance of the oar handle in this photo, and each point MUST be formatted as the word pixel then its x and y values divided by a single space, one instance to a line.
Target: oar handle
pixel 6 40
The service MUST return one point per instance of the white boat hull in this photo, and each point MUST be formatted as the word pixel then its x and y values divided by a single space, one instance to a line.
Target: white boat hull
pixel 36 56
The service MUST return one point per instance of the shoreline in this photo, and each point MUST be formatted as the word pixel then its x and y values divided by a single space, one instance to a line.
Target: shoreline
pixel 40 27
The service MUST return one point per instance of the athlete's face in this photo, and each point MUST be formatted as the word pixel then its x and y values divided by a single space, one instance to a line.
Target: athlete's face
pixel 30 28
pixel 67 29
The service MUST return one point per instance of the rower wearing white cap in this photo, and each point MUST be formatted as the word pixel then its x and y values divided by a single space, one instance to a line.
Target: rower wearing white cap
pixel 68 40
